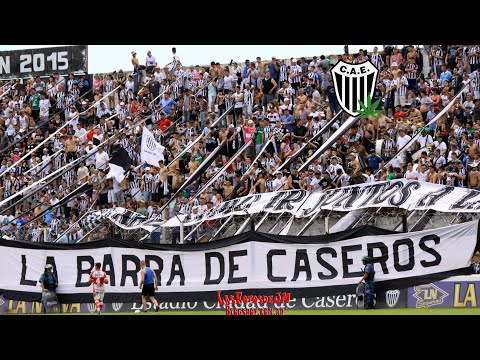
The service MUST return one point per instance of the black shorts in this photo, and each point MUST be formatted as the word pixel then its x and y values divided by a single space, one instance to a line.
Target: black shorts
pixel 238 111
pixel 148 290
pixel 103 199
pixel 156 197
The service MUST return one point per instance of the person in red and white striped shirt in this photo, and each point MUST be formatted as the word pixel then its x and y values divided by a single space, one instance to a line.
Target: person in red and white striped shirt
pixel 98 278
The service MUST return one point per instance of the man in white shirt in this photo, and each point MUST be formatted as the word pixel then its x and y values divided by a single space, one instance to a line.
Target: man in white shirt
pixel 411 174
pixel 90 149
pixel 202 208
pixel 82 173
pixel 424 139
pixel 422 173
pixel 150 61
pixel 44 105
pixel 277 184
pixel 315 62
pixel 315 183
pixel 80 133
pixel 369 175
pixel 402 139
pixel 334 166
pixel 101 159
pixel 159 75
pixel 440 145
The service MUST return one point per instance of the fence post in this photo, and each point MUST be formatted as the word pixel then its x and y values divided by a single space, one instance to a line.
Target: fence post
pixel 326 225
pixel 182 234
pixel 404 221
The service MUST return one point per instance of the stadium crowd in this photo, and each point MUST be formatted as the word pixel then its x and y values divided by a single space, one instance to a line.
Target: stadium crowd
pixel 285 101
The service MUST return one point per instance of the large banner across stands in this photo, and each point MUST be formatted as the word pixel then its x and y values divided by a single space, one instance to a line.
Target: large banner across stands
pixel 256 264
pixel 402 193
pixel 43 62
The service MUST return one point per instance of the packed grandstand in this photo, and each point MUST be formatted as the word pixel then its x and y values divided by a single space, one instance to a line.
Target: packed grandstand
pixel 263 120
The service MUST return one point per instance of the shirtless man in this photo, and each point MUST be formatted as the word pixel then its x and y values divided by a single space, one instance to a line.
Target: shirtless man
pixel 259 185
pixel 473 148
pixel 192 165
pixel 354 164
pixel 176 164
pixel 431 174
pixel 302 97
pixel 474 178
pixel 71 148
pixel 261 69
pixel 415 115
pixel 227 189
pixel 368 131
pixel 177 179
pixel 135 63
pixel 163 172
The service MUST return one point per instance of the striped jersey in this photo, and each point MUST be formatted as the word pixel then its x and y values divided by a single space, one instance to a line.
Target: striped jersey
pixel 295 74
pixel 109 86
pixel 248 97
pixel 475 59
pixel 76 93
pixel 411 75
pixel 148 182
pixel 388 146
pixel 403 85
pixel 69 102
pixel 437 62
pixel 475 76
pixel 54 224
pixel 377 60
pixel 284 73
pixel 60 100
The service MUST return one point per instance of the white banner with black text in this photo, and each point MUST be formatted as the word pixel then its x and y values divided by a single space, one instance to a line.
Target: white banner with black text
pixel 257 264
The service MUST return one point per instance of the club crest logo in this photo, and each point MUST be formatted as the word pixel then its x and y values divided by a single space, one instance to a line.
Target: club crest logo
pixel 354 83
pixel 151 143
pixel 392 297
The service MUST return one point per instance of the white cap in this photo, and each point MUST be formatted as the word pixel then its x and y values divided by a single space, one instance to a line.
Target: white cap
pixel 84 103
pixel 90 143
pixel 147 168
pixel 250 121
pixel 231 126
pixel 286 99
pixel 122 103
pixel 394 64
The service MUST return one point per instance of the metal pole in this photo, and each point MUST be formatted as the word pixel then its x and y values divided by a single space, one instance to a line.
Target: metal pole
pixel 326 224
pixel 181 233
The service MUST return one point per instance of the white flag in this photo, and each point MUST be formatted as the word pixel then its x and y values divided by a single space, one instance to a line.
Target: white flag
pixel 152 152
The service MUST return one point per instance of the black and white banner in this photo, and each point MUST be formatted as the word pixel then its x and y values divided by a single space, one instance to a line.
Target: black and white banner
pixel 43 62
pixel 402 193
pixel 124 218
pixel 257 264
